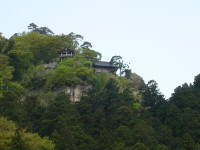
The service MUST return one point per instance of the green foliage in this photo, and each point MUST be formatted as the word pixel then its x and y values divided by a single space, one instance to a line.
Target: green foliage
pixel 161 147
pixel 17 142
pixel 33 48
pixel 188 142
pixel 11 101
pixel 36 77
pixel 72 72
pixel 91 54
pixel 101 80
pixel 42 48
pixel 140 146
pixel 152 95
pixel 33 141
pixel 136 82
pixel 7 131
pixel 3 43
pixel 54 116
pixel 86 45
pixel 5 69
pixel 197 81
pixel 42 30
pixel 118 146
pixel 12 138
pixel 119 64
pixel 73 138
pixel 117 112
pixel 5 73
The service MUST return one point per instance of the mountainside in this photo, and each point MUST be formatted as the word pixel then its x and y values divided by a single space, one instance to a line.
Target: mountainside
pixel 57 93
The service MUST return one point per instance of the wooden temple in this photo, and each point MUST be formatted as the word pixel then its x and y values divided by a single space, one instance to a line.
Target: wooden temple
pixel 66 53
pixel 104 67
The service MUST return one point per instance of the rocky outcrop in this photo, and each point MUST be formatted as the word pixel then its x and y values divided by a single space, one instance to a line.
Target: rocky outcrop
pixel 75 93
pixel 50 66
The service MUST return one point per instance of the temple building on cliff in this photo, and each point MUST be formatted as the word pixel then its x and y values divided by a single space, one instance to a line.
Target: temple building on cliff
pixel 104 67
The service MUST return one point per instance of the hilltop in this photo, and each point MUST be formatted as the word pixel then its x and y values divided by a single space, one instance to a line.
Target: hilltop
pixel 57 92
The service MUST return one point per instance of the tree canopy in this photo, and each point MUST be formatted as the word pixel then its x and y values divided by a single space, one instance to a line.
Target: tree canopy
pixel 117 111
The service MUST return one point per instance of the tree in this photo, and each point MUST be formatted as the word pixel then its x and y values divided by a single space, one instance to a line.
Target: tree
pixel 3 43
pixel 32 49
pixel 197 147
pixel 116 113
pixel 17 142
pixel 119 64
pixel 144 133
pixel 91 54
pixel 59 114
pixel 34 142
pixel 188 142
pixel 151 94
pixel 16 139
pixel 11 102
pixel 73 138
pixel 42 30
pixel 197 81
pixel 36 77
pixel 32 26
pixel 76 38
pixel 118 146
pixel 5 73
pixel 21 61
pixel 71 72
pixel 127 73
pixel 140 146
pixel 136 81
pixel 86 45
pixel 161 147
pixel 7 130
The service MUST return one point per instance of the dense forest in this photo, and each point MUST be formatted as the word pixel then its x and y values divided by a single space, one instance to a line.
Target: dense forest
pixel 119 112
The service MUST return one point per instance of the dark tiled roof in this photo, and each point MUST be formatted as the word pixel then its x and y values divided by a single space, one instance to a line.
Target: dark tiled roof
pixel 103 64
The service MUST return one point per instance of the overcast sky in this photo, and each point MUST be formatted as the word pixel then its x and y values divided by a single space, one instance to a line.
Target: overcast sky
pixel 160 38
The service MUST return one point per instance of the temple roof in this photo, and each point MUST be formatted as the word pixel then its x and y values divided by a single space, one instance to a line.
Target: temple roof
pixel 103 64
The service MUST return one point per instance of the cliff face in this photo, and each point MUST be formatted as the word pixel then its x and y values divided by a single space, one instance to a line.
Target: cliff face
pixel 75 93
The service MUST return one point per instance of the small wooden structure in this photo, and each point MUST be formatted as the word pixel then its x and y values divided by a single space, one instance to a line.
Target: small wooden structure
pixel 99 66
pixel 104 67
pixel 66 53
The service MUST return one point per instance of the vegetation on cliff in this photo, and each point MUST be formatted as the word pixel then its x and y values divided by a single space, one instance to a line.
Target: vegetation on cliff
pixel 119 112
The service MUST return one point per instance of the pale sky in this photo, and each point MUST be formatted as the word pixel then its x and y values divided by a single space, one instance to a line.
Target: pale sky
pixel 160 38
